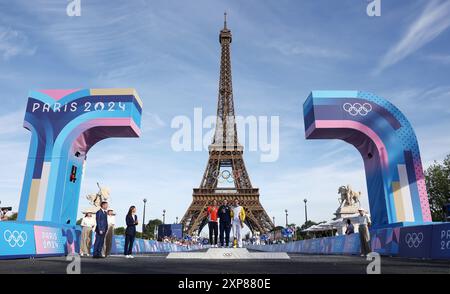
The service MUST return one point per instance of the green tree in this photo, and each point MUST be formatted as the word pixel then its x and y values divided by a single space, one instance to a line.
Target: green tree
pixel 278 228
pixel 437 179
pixel 308 224
pixel 150 228
pixel 119 231
pixel 13 217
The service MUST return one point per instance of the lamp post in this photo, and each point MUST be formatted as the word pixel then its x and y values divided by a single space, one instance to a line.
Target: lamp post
pixel 143 218
pixel 286 211
pixel 176 220
pixel 306 211
pixel 273 220
pixel 447 206
pixel 164 216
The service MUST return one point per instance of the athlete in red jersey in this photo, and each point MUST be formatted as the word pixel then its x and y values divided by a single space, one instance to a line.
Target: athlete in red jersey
pixel 212 223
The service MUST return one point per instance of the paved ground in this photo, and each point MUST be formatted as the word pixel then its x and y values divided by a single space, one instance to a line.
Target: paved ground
pixel 158 264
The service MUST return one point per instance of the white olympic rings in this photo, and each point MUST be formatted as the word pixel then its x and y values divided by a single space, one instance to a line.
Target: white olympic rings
pixel 225 176
pixel 15 238
pixel 414 239
pixel 357 108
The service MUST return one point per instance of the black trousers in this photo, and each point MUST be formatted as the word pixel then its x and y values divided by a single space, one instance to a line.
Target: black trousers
pixel 225 229
pixel 213 230
pixel 129 240
pixel 98 244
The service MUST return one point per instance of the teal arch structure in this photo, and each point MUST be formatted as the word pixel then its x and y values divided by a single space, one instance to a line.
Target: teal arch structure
pixel 388 145
pixel 64 125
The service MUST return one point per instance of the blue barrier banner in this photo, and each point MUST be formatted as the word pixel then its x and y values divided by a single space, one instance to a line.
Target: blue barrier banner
pixel 352 245
pixel 21 240
pixel 415 241
pixel 440 242
pixel 385 241
pixel 315 246
pixel 16 239
pixel 118 244
pixel 338 245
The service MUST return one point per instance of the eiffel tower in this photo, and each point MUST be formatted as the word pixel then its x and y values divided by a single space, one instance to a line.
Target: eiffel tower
pixel 225 176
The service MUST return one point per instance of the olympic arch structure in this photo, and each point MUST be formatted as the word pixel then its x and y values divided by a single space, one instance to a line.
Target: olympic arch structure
pixel 64 125
pixel 387 144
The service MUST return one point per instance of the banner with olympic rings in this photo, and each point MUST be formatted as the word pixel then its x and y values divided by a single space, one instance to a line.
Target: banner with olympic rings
pixel 226 176
pixel 16 239
pixel 416 241
pixel 23 240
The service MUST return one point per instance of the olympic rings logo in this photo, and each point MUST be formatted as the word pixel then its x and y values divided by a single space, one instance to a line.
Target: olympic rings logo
pixel 15 238
pixel 227 254
pixel 414 239
pixel 357 108
pixel 225 176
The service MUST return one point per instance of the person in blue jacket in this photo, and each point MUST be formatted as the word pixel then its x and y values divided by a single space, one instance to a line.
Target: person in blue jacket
pixel 130 232
pixel 101 228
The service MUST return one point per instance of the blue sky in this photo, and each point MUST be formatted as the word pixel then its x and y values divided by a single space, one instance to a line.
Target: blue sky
pixel 168 50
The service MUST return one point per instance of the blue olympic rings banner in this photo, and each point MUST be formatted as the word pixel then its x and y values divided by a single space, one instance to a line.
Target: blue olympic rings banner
pixel 426 241
pixel 16 239
pixel 40 239
pixel 416 241
pixel 34 239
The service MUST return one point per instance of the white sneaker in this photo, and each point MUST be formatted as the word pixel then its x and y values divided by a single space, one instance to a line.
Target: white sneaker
pixel 130 256
pixel 127 256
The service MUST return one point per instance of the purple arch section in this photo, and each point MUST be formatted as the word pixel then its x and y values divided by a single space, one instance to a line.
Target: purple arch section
pixel 388 147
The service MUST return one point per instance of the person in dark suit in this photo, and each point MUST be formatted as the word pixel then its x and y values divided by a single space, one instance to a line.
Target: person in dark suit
pixel 130 232
pixel 224 223
pixel 100 229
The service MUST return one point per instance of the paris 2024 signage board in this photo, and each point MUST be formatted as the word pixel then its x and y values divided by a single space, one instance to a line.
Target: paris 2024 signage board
pixel 64 125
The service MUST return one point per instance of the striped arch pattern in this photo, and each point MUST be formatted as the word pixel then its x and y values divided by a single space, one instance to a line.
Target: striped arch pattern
pixel 387 144
pixel 64 125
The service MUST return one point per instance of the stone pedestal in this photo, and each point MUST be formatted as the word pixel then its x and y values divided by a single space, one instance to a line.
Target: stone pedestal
pixel 345 212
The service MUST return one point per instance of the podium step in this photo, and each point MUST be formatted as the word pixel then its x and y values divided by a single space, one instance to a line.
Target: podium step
pixel 228 253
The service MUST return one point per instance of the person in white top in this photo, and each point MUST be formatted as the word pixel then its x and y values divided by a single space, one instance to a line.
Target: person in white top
pixel 88 224
pixel 106 251
pixel 237 221
pixel 363 229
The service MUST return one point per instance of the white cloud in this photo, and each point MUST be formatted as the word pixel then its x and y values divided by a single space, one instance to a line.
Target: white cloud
pixel 151 121
pixel 434 20
pixel 11 122
pixel 439 58
pixel 14 43
pixel 298 48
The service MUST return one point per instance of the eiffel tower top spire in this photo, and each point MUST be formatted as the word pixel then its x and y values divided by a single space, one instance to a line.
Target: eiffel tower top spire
pixel 225 136
pixel 225 20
